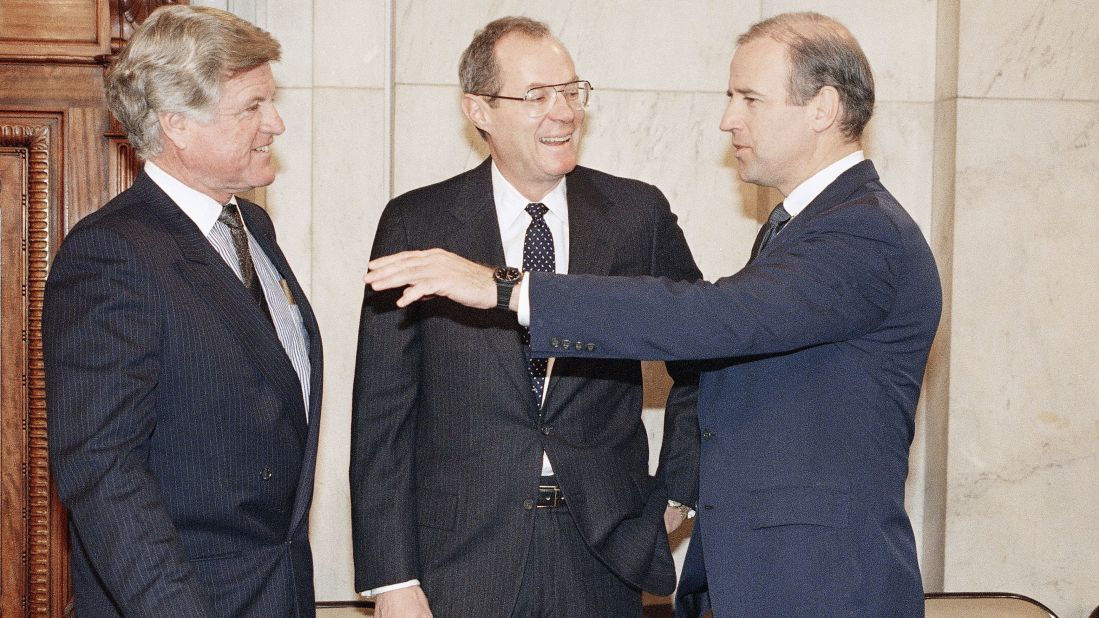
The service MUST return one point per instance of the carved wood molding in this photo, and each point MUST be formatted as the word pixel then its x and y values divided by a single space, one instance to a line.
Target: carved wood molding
pixel 35 139
pixel 126 15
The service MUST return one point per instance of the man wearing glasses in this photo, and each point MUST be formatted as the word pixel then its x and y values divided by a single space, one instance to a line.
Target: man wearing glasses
pixel 484 483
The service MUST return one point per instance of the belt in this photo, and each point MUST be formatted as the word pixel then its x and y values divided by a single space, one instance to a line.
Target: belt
pixel 549 497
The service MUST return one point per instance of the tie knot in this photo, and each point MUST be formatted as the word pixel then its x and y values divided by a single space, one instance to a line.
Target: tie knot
pixel 778 215
pixel 536 211
pixel 230 216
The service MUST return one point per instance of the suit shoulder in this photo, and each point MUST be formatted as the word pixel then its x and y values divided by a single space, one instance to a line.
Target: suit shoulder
pixel 611 184
pixel 125 217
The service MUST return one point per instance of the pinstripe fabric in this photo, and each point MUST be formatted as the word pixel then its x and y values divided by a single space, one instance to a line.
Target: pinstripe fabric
pixel 447 440
pixel 286 317
pixel 176 419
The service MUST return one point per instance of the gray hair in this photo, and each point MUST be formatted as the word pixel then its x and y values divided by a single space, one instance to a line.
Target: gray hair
pixel 177 61
pixel 477 70
pixel 822 52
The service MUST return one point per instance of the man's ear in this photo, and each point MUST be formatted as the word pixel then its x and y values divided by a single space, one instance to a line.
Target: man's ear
pixel 174 127
pixel 477 110
pixel 826 108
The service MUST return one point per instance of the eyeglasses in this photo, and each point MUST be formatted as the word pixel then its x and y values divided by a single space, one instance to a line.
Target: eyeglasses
pixel 539 101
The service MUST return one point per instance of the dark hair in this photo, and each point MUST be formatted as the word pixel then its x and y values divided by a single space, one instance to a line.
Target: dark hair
pixel 822 52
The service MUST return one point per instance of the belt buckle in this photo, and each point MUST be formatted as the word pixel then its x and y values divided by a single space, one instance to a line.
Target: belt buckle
pixel 554 495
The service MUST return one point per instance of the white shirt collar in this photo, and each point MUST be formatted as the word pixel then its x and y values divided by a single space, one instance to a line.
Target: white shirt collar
pixel 807 191
pixel 201 208
pixel 510 203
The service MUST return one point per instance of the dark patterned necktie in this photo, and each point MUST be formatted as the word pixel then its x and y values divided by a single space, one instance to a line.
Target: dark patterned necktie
pixel 230 216
pixel 778 218
pixel 537 257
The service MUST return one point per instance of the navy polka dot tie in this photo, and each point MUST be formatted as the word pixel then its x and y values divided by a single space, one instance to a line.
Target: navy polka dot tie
pixel 537 257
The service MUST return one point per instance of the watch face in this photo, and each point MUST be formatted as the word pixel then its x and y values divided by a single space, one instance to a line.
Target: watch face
pixel 507 274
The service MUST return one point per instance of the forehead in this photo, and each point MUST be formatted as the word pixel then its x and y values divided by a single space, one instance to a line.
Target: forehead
pixel 759 64
pixel 253 83
pixel 526 61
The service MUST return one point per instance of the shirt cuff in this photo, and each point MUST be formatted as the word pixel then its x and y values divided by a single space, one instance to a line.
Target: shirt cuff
pixel 380 589
pixel 524 300
pixel 690 512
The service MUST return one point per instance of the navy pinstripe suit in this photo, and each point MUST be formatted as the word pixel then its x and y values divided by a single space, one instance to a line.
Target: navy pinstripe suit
pixel 178 433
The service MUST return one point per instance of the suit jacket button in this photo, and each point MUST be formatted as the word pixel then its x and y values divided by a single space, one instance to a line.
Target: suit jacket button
pixel 591 347
pixel 528 504
pixel 566 343
pixel 266 474
pixel 706 433
pixel 545 430
pixel 579 346
pixel 555 342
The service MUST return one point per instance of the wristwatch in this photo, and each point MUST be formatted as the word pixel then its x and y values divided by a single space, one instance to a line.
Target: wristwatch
pixel 505 277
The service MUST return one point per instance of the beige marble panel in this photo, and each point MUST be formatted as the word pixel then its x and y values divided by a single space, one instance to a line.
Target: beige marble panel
pixel 289 198
pixel 349 43
pixel 1024 439
pixel 1031 49
pixel 634 45
pixel 291 23
pixel 672 140
pixel 897 36
pixel 432 138
pixel 349 149
pixel 899 140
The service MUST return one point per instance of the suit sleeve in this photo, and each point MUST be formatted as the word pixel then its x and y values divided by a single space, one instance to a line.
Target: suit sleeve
pixel 834 283
pixel 679 449
pixel 101 334
pixel 383 430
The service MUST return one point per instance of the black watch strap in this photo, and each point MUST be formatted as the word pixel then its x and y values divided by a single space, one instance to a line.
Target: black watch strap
pixel 506 278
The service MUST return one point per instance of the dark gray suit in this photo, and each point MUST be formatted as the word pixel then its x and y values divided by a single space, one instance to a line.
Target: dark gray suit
pixel 446 438
pixel 178 432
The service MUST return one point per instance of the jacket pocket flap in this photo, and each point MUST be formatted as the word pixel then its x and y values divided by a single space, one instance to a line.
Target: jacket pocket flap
pixel 785 506
pixel 435 509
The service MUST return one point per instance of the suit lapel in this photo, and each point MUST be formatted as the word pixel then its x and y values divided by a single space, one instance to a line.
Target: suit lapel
pixel 839 191
pixel 217 285
pixel 316 369
pixel 475 234
pixel 591 241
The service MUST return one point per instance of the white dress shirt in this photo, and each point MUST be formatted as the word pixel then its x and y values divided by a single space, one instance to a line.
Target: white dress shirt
pixel 513 218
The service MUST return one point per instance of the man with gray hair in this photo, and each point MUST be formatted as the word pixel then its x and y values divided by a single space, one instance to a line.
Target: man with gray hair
pixel 815 350
pixel 484 482
pixel 183 362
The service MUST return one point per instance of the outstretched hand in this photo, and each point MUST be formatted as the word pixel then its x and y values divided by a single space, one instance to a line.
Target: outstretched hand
pixel 431 273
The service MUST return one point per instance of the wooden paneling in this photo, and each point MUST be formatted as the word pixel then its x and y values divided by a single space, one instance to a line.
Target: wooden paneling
pixel 60 159
pixel 33 547
pixel 73 30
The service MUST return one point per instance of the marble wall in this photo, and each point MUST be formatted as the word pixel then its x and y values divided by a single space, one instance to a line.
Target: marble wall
pixel 988 105
pixel 1023 462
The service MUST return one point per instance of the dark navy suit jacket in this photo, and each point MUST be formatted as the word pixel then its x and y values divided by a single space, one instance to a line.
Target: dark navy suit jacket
pixel 447 438
pixel 815 354
pixel 177 429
